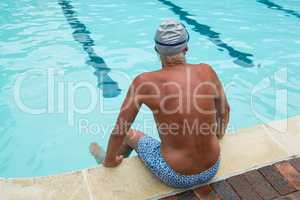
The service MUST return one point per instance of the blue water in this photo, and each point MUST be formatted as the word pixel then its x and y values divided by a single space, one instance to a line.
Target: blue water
pixel 65 67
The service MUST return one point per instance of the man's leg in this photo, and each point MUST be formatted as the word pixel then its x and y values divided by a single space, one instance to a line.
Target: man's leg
pixel 130 143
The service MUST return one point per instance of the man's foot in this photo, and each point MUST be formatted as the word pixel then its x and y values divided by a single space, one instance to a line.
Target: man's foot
pixel 97 152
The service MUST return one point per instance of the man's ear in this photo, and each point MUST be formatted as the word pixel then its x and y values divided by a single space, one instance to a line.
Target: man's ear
pixel 185 50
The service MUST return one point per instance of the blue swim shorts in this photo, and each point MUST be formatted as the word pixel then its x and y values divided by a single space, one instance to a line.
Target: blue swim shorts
pixel 149 151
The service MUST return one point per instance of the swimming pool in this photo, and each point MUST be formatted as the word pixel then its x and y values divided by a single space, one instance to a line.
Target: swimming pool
pixel 66 65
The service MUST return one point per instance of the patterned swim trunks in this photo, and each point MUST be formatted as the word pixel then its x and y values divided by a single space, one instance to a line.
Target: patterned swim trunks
pixel 149 151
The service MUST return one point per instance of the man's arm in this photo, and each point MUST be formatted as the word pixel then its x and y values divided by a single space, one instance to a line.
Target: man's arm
pixel 222 106
pixel 127 115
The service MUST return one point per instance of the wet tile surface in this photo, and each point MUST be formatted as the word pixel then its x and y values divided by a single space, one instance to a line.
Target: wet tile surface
pixel 130 181
pixel 286 133
pixel 247 149
pixel 63 187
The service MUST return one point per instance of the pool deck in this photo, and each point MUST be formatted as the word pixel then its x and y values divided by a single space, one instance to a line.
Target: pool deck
pixel 280 181
pixel 271 148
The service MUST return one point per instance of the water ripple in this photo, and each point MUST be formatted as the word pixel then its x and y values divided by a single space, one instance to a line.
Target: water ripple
pixel 82 35
pixel 242 58
pixel 275 6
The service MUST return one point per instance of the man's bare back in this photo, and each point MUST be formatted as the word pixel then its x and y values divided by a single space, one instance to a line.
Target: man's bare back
pixel 183 100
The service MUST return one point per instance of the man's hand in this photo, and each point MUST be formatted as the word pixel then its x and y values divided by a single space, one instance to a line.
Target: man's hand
pixel 113 162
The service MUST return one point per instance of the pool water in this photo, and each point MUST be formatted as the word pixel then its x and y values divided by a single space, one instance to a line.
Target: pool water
pixel 65 67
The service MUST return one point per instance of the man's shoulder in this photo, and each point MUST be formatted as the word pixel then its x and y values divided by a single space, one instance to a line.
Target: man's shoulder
pixel 202 66
pixel 207 72
pixel 146 76
pixel 146 81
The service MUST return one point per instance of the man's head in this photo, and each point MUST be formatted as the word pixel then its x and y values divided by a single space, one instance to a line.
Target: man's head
pixel 171 39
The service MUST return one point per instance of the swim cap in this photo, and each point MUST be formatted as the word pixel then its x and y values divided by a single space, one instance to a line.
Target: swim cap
pixel 171 37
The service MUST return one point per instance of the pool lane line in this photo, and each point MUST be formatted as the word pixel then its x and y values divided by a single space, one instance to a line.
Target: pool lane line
pixel 241 58
pixel 275 6
pixel 81 34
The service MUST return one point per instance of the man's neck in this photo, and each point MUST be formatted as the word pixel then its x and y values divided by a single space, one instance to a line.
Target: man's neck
pixel 173 64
